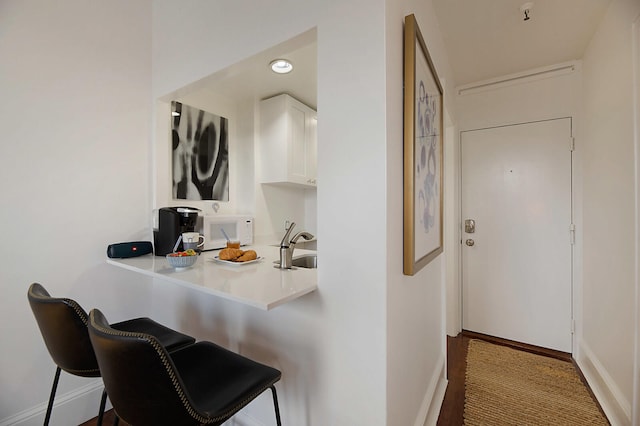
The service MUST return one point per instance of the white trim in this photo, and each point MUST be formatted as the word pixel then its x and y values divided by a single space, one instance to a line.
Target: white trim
pixel 436 403
pixel 518 78
pixel 243 419
pixel 636 132
pixel 433 398
pixel 451 265
pixel 71 408
pixel 611 398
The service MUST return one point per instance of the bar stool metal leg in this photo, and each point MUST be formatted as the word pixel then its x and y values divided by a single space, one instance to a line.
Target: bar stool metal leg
pixel 52 396
pixel 275 404
pixel 103 402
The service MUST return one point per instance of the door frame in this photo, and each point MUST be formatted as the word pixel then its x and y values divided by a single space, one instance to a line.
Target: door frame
pixel 575 220
pixel 635 414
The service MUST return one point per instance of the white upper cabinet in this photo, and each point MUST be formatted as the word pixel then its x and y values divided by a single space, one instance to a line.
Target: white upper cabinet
pixel 288 142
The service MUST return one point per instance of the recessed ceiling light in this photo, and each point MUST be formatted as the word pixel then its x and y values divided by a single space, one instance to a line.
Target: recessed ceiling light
pixel 281 66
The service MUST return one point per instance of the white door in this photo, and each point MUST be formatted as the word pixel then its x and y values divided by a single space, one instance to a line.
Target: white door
pixel 516 265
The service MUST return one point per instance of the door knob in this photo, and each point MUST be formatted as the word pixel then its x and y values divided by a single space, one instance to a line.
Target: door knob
pixel 470 242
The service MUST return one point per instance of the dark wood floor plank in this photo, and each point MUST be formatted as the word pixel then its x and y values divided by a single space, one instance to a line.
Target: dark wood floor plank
pixel 107 420
pixel 563 356
pixel 451 413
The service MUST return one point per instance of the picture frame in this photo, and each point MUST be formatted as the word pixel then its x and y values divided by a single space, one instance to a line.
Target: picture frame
pixel 423 153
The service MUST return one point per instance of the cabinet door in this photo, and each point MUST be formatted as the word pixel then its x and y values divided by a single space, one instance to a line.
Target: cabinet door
pixel 287 153
pixel 297 143
pixel 312 148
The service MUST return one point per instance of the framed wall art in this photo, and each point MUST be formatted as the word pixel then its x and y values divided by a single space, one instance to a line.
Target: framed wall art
pixel 199 154
pixel 423 146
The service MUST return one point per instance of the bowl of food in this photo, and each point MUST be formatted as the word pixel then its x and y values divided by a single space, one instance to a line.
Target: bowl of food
pixel 182 259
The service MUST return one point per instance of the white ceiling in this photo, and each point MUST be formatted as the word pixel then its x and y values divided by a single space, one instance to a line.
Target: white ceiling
pixel 485 39
pixel 252 79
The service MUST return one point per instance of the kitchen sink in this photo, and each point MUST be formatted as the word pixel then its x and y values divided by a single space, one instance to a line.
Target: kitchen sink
pixel 305 261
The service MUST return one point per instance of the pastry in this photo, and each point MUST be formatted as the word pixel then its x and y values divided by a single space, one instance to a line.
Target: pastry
pixel 247 256
pixel 230 254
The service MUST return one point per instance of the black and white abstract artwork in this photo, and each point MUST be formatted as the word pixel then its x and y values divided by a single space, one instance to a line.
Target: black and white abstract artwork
pixel 200 154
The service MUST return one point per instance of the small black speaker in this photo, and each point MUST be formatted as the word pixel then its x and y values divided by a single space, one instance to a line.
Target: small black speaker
pixel 132 249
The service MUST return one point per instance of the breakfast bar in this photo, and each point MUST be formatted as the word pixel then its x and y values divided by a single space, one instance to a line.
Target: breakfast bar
pixel 258 283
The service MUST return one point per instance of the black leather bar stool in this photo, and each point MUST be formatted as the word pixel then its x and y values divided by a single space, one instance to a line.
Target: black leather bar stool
pixel 63 325
pixel 199 384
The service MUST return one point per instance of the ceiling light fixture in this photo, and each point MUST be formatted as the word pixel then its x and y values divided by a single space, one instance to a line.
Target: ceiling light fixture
pixel 281 66
pixel 526 9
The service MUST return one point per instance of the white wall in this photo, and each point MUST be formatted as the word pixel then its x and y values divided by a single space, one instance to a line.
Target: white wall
pixel 330 345
pixel 345 350
pixel 609 211
pixel 348 351
pixel 75 119
pixel 416 346
pixel 556 94
pixel 352 208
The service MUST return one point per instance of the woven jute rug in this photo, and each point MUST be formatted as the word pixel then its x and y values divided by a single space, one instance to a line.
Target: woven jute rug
pixel 506 386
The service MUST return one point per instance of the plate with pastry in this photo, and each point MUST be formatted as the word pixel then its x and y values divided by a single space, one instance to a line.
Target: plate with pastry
pixel 237 257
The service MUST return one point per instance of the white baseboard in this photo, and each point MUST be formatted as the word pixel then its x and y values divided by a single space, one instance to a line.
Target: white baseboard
pixel 72 408
pixel 433 398
pixel 611 399
pixel 241 419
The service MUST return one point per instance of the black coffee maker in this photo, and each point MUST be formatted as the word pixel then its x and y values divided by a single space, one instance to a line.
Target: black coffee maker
pixel 172 222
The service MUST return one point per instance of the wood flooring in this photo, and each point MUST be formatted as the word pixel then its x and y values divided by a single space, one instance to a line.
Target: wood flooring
pixel 453 404
pixel 107 420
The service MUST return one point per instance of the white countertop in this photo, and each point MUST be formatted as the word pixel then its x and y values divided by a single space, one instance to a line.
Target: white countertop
pixel 257 284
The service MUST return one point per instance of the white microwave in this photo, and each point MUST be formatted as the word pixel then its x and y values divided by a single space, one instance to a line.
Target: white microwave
pixel 237 228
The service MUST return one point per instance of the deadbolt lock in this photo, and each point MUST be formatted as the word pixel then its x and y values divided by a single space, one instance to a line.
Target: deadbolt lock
pixel 470 242
pixel 469 226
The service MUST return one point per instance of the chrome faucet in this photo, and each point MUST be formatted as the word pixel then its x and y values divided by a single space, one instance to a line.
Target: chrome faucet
pixel 287 247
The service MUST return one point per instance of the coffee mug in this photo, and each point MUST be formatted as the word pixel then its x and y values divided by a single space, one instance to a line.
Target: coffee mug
pixel 192 240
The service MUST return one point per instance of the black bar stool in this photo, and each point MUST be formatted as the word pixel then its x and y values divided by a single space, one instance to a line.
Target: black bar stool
pixel 199 384
pixel 63 325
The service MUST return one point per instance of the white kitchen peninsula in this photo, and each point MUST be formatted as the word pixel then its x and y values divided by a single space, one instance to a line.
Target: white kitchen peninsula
pixel 257 284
